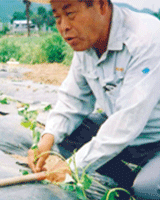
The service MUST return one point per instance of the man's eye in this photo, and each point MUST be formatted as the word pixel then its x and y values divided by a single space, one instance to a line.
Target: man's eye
pixel 70 14
pixel 57 17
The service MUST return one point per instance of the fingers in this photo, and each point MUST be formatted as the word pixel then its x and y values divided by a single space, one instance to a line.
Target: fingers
pixel 44 146
pixel 58 172
pixel 40 164
pixel 31 162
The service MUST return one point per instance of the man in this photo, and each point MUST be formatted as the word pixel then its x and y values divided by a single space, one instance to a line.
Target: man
pixel 116 64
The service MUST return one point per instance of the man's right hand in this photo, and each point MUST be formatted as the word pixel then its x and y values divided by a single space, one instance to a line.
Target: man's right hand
pixel 44 145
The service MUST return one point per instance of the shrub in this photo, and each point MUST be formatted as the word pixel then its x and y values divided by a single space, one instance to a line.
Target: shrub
pixel 54 47
pixel 32 54
pixel 68 51
pixel 48 47
pixel 9 50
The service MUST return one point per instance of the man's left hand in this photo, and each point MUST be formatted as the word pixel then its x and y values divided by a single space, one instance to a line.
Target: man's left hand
pixel 58 172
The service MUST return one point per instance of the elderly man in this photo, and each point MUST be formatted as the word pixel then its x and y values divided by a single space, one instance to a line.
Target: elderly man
pixel 116 64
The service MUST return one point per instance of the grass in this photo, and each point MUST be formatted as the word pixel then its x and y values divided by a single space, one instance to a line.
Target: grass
pixel 42 48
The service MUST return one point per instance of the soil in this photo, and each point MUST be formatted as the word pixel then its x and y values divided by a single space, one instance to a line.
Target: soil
pixel 45 73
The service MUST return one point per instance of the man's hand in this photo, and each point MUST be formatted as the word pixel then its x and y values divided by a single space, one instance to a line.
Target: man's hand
pixel 44 145
pixel 57 173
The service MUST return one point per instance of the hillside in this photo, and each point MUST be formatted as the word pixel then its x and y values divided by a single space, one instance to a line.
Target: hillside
pixel 8 7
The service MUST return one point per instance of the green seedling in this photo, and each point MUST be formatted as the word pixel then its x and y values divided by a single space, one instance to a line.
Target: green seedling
pixel 78 184
pixel 4 101
pixel 81 182
pixel 45 182
pixel 29 121
pixel 99 110
pixel 24 172
pixel 49 107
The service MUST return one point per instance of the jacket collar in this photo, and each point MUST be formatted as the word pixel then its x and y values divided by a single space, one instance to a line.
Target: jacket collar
pixel 116 31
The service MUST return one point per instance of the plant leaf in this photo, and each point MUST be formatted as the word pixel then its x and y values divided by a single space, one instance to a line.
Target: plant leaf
pixel 36 136
pixel 80 193
pixel 105 195
pixel 87 181
pixel 45 182
pixel 33 125
pixel 26 124
pixel 48 107
pixel 34 146
pixel 4 101
pixel 68 187
pixel 24 172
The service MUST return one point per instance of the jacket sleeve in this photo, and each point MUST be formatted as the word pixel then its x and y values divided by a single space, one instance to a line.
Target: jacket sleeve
pixel 138 96
pixel 75 102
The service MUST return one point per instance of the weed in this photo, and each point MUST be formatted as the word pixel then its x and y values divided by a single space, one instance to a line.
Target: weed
pixel 4 101
pixel 9 50
pixel 81 182
pixel 54 48
pixel 29 121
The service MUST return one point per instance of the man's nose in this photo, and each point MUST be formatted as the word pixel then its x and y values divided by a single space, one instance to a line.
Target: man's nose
pixel 65 24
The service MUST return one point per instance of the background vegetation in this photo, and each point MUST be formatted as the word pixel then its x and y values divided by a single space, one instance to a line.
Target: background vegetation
pixel 40 17
pixel 40 48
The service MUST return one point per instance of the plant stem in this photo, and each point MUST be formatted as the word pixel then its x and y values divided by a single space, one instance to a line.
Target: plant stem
pixel 54 171
pixel 76 170
pixel 51 152
pixel 115 189
pixel 84 193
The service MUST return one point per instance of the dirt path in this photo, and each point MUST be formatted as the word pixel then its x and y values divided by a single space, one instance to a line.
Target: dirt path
pixel 45 73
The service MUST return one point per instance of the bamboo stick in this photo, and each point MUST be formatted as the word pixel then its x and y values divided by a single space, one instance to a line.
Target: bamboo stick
pixel 23 179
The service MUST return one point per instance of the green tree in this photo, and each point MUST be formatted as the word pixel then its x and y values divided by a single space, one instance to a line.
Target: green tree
pixel 50 21
pixel 18 16
pixel 5 29
pixel 38 20
pixel 43 17
pixel 42 12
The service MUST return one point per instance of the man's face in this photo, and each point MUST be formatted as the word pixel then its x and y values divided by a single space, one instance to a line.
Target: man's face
pixel 80 26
